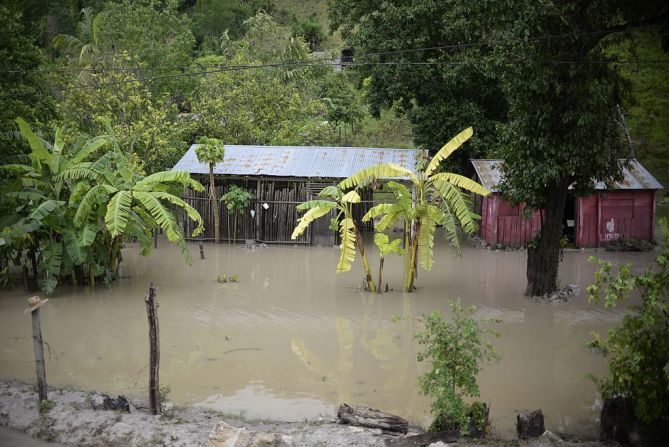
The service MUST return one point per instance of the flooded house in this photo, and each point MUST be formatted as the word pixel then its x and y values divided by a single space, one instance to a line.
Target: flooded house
pixel 626 210
pixel 279 178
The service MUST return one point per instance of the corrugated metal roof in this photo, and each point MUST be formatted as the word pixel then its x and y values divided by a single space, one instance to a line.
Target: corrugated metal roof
pixel 635 176
pixel 297 161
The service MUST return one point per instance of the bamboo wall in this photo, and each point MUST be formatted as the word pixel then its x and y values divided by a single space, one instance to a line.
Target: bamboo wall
pixel 275 213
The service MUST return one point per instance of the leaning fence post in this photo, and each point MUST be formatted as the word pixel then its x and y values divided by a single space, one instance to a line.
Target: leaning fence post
pixel 34 304
pixel 154 356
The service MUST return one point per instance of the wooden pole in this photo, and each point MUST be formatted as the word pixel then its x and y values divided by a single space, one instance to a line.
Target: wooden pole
pixel 201 250
pixel 154 356
pixel 39 355
pixel 155 238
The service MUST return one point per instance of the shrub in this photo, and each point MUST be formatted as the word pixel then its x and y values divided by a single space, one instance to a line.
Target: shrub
pixel 637 350
pixel 455 348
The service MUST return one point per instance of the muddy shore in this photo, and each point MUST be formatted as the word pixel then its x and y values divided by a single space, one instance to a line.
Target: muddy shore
pixel 72 420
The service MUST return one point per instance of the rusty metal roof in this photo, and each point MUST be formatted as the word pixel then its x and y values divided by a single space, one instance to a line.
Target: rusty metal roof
pixel 297 161
pixel 635 176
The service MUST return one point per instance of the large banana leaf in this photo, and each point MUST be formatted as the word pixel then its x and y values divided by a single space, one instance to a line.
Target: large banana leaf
pixel 181 177
pixel 386 246
pixel 448 149
pixel 332 192
pixel 459 205
pixel 37 145
pixel 89 201
pixel 78 173
pixel 190 211
pixel 347 255
pixel 351 197
pixel 311 215
pixel 87 149
pixel 163 217
pixel 426 242
pixel 45 209
pixel 315 204
pixel 118 209
pixel 87 234
pixel 78 253
pixel 462 182
pixel 384 170
pixel 451 227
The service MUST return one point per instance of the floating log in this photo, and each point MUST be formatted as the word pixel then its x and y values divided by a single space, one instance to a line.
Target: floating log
pixel 367 417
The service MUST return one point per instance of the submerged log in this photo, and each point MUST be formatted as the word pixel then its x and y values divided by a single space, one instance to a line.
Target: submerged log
pixel 367 417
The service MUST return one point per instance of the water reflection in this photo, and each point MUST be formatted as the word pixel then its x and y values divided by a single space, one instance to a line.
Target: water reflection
pixel 292 339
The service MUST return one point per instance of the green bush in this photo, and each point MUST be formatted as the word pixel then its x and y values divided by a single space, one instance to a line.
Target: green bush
pixel 637 350
pixel 455 348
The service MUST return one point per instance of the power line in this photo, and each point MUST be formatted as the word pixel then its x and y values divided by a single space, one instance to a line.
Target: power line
pixel 333 58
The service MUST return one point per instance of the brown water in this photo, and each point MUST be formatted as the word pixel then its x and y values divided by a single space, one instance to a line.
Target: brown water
pixel 292 339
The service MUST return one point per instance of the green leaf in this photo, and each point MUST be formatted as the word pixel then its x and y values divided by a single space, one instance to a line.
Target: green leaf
pixel 426 242
pixel 448 149
pixel 118 209
pixel 37 145
pixel 89 201
pixel 45 209
pixel 461 182
pixel 190 211
pixel 310 216
pixel 180 177
pixel 380 171
pixel 347 255
pixel 351 197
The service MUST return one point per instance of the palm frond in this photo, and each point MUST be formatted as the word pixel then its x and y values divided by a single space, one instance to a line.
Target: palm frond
pixel 77 173
pixel 448 149
pixel 311 215
pixel 66 42
pixel 26 194
pixel 77 253
pixel 16 168
pixel 118 209
pixel 347 255
pixel 450 224
pixel 384 170
pixel 190 211
pixel 461 182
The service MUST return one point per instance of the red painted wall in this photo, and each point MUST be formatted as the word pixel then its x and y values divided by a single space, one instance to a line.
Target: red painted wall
pixel 600 218
pixel 504 224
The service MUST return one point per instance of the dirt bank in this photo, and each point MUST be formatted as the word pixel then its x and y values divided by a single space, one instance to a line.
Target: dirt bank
pixel 72 420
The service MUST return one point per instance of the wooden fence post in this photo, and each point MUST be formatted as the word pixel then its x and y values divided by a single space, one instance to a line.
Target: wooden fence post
pixel 155 238
pixel 201 250
pixel 34 304
pixel 154 359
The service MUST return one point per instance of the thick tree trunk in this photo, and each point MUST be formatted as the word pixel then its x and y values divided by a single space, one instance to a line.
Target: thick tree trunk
pixel 544 256
pixel 214 204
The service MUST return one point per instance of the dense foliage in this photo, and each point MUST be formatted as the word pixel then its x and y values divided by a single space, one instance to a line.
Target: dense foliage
pixel 454 349
pixel 637 350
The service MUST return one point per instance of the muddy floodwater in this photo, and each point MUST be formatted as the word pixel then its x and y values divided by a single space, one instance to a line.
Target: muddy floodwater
pixel 292 339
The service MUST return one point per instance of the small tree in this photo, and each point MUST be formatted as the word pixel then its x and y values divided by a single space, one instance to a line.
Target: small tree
pixel 212 151
pixel 638 350
pixel 386 246
pixel 455 349
pixel 236 200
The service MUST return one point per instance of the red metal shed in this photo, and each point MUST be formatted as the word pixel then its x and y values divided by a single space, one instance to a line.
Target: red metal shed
pixel 626 211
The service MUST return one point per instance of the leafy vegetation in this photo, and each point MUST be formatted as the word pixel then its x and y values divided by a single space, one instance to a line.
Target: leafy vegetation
pixel 212 151
pixel 455 349
pixel 637 350
pixel 439 201
pixel 237 200
pixel 70 215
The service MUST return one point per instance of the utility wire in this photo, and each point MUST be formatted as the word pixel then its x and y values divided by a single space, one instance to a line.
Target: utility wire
pixel 333 58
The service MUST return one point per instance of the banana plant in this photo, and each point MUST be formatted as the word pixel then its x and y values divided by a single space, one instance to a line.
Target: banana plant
pixel 133 205
pixel 386 246
pixel 437 200
pixel 341 202
pixel 212 151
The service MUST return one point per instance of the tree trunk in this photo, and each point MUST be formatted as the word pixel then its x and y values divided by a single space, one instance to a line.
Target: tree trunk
pixel 368 272
pixel 214 203
pixel 410 274
pixel 543 257
pixel 379 289
pixel 367 417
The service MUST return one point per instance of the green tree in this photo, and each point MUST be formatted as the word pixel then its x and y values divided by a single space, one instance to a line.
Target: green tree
pixel 437 89
pixel 212 151
pixel 455 349
pixel 342 203
pixel 637 350
pixel 438 201
pixel 536 82
pixel 236 200
pixel 342 101
pixel 85 45
pixel 385 246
